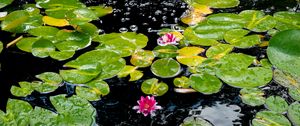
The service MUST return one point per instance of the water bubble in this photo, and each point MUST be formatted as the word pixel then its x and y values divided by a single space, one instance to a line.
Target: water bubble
pixel 165 9
pixel 154 19
pixel 164 17
pixel 123 19
pixel 133 28
pixel 101 31
pixel 157 12
pixel 127 13
pixel 3 14
pixel 123 30
pixel 172 14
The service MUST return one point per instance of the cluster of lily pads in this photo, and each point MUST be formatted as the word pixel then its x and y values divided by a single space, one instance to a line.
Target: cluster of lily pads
pixel 59 28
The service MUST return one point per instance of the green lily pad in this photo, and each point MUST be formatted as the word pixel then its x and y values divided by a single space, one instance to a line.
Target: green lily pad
pixel 61 55
pixel 74 111
pixel 89 65
pixel 287 20
pixel 88 28
pixel 59 4
pixel 216 31
pixel 190 37
pixel 50 78
pixel 1 46
pixel 226 18
pixel 46 32
pixel 151 86
pixel 4 3
pixel 208 66
pixel 123 43
pixel 283 51
pixel 238 38
pixel 130 70
pixel 168 51
pixel 22 91
pixel 219 51
pixel 294 113
pixel 219 3
pixel 269 118
pixel 41 116
pixel 93 90
pixel 81 16
pixel 42 47
pixel 195 121
pixel 205 83
pixel 181 82
pixel 71 40
pixel 257 21
pixel 14 20
pixel 110 70
pixel 101 10
pixel 252 96
pixel 142 58
pixel 286 79
pixel 294 93
pixel 17 113
pixel 165 68
pixel 234 70
pixel 25 44
pixel 276 104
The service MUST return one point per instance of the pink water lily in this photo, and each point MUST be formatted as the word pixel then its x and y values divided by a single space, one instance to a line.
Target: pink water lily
pixel 167 39
pixel 147 105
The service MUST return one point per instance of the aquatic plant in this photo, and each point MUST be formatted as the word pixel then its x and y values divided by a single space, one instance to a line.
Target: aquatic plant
pixel 147 106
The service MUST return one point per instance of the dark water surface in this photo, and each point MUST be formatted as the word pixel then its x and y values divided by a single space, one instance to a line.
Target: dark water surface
pixel 143 16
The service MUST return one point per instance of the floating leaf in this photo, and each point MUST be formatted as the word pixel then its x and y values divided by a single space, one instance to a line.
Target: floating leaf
pixel 112 69
pixel 215 31
pixel 165 68
pixel 142 58
pixel 276 104
pixel 190 37
pixel 59 4
pixel 219 3
pixel 294 113
pixel 44 31
pixel 226 18
pixel 22 91
pixel 101 10
pixel 189 56
pixel 123 43
pixel 218 51
pixel 196 14
pixel 252 96
pixel 71 40
pixel 88 28
pixel 294 93
pixel 269 118
pixel 168 51
pixel 1 46
pixel 89 66
pixel 81 16
pixel 50 78
pixel 151 86
pixel 14 20
pixel 41 116
pixel 207 66
pixel 55 22
pixel 234 71
pixel 93 90
pixel 17 113
pixel 134 74
pixel 4 3
pixel 205 83
pixel 42 47
pixel 73 111
pixel 181 82
pixel 238 38
pixel 283 51
pixel 257 21
pixel 287 20
pixel 195 121
pixel 286 79
pixel 61 55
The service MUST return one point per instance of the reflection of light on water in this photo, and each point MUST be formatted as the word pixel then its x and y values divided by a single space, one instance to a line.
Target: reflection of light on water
pixel 220 114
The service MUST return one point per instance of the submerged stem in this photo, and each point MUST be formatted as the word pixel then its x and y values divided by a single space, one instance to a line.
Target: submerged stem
pixel 14 41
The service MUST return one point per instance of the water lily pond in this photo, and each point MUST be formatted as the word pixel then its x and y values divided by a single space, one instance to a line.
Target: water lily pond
pixel 150 63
